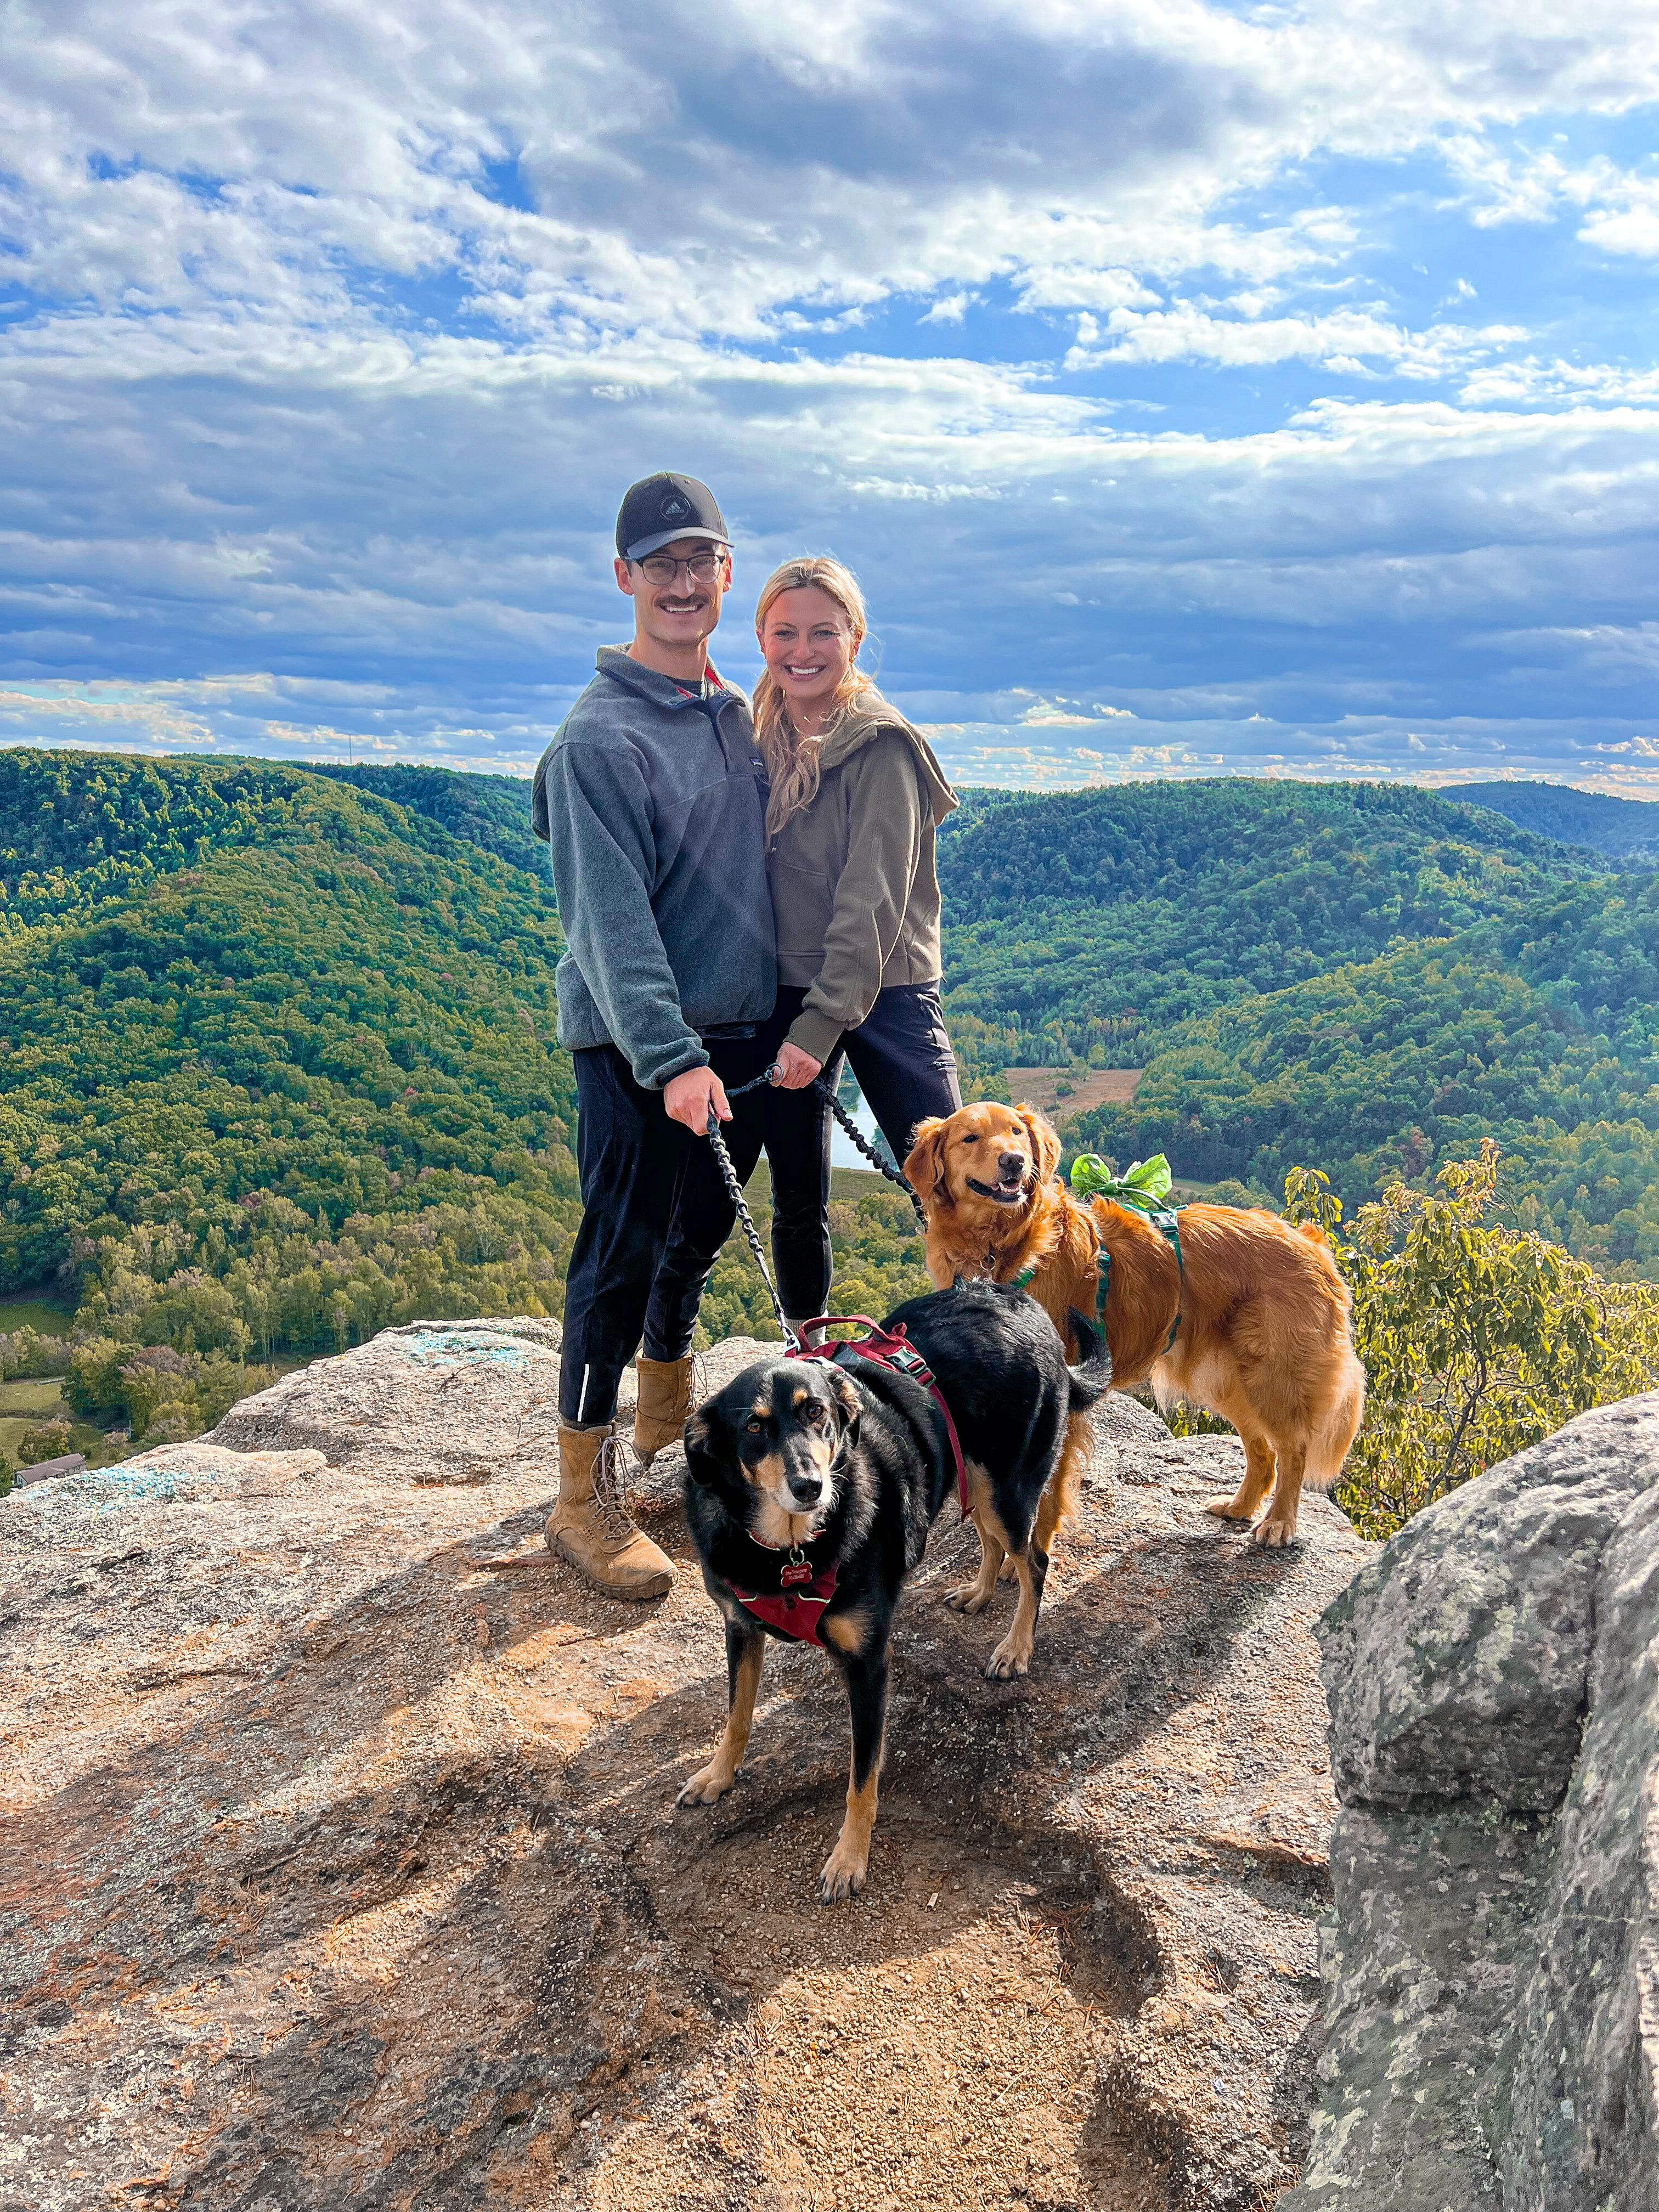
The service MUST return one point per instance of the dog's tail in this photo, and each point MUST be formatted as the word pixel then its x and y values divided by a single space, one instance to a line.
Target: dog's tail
pixel 1091 1378
pixel 1332 1441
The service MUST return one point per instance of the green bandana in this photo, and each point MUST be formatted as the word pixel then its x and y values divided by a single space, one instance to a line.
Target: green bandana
pixel 1146 1188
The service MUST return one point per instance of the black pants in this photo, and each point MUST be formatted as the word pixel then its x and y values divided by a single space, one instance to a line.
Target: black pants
pixel 903 1062
pixel 902 1058
pixel 647 1180
pixel 655 1211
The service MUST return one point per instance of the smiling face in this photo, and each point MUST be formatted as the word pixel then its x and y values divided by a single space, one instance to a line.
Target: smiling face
pixel 984 1161
pixel 671 620
pixel 809 644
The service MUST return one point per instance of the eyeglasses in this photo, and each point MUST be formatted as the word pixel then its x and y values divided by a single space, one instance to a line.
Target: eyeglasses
pixel 700 569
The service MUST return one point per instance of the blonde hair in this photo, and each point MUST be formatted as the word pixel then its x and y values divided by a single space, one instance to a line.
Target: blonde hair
pixel 791 762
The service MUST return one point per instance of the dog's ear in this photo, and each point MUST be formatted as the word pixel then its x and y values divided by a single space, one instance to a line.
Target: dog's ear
pixel 1045 1142
pixel 848 1404
pixel 924 1170
pixel 701 1462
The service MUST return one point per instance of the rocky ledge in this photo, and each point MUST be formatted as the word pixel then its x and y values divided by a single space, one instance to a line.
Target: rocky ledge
pixel 1492 1964
pixel 344 1869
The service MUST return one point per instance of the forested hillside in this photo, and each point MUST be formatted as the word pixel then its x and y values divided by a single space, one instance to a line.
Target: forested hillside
pixel 279 1064
pixel 276 1071
pixel 1623 831
pixel 491 811
pixel 1087 924
pixel 1388 1069
pixel 1367 980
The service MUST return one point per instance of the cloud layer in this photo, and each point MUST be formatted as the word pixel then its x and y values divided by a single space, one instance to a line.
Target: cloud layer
pixel 1264 389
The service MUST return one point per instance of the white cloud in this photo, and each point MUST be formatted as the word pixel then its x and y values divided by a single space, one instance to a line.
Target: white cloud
pixel 1342 341
pixel 1626 220
pixel 730 169
pixel 342 333
pixel 1618 208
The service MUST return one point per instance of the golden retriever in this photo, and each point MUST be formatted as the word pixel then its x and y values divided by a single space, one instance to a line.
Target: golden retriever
pixel 1259 1313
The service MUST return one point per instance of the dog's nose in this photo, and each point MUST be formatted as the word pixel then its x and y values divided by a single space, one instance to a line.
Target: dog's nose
pixel 805 1489
pixel 1012 1164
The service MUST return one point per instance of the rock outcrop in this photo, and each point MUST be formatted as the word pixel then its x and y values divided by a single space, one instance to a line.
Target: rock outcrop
pixel 1492 1968
pixel 344 1869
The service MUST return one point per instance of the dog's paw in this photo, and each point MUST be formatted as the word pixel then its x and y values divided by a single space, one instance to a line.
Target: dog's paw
pixel 968 1597
pixel 1274 1534
pixel 1227 1508
pixel 708 1785
pixel 1007 1660
pixel 1006 1572
pixel 844 1871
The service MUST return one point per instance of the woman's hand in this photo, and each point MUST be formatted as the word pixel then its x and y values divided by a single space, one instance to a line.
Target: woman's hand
pixel 796 1068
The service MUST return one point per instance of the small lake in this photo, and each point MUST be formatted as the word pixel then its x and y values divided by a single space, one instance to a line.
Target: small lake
pixel 844 1153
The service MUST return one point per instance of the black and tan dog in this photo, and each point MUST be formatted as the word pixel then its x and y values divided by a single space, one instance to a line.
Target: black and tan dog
pixel 810 1490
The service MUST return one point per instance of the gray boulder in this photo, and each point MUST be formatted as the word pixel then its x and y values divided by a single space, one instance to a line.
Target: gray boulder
pixel 1491 1970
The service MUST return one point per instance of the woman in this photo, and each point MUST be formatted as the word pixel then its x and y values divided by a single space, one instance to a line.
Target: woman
pixel 856 798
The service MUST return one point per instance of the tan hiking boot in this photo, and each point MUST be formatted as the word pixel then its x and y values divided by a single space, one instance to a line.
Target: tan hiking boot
pixel 668 1390
pixel 590 1527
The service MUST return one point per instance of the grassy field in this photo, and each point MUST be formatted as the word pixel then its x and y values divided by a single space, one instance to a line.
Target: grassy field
pixel 23 1309
pixel 1040 1087
pixel 26 1405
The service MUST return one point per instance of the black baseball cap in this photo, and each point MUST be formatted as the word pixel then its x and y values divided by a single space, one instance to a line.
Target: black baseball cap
pixel 660 509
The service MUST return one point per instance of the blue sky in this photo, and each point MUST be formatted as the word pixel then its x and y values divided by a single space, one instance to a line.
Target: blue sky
pixel 1195 388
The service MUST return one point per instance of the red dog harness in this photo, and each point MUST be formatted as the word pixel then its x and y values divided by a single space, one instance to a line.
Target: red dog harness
pixel 799 1607
pixel 794 1613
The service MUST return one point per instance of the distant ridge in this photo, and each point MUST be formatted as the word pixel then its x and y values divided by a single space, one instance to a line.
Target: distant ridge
pixel 1623 830
pixel 279 1066
pixel 490 811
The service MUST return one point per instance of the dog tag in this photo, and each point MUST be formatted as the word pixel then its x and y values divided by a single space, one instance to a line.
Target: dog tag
pixel 796 1570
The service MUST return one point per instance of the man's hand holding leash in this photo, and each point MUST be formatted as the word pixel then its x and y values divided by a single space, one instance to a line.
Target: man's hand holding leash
pixel 689 1098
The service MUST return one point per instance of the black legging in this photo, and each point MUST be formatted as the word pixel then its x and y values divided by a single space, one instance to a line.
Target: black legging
pixel 901 1057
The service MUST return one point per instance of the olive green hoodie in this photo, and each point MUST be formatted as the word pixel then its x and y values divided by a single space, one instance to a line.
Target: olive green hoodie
pixel 854 890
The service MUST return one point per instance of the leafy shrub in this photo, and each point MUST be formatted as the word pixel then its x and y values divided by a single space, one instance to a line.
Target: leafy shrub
pixel 1477 1340
pixel 93 1386
pixel 43 1440
pixel 26 1354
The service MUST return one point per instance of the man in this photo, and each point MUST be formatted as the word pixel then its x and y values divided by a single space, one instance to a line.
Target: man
pixel 651 799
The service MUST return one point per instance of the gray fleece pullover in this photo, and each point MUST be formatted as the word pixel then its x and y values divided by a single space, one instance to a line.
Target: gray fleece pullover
pixel 654 805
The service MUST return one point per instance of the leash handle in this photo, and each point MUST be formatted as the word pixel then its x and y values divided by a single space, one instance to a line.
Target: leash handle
pixel 734 1192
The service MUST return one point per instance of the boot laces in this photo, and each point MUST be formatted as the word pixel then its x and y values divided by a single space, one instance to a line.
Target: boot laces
pixel 610 1473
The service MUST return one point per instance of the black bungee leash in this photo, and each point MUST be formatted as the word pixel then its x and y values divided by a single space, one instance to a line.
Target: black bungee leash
pixel 827 1093
pixel 734 1189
